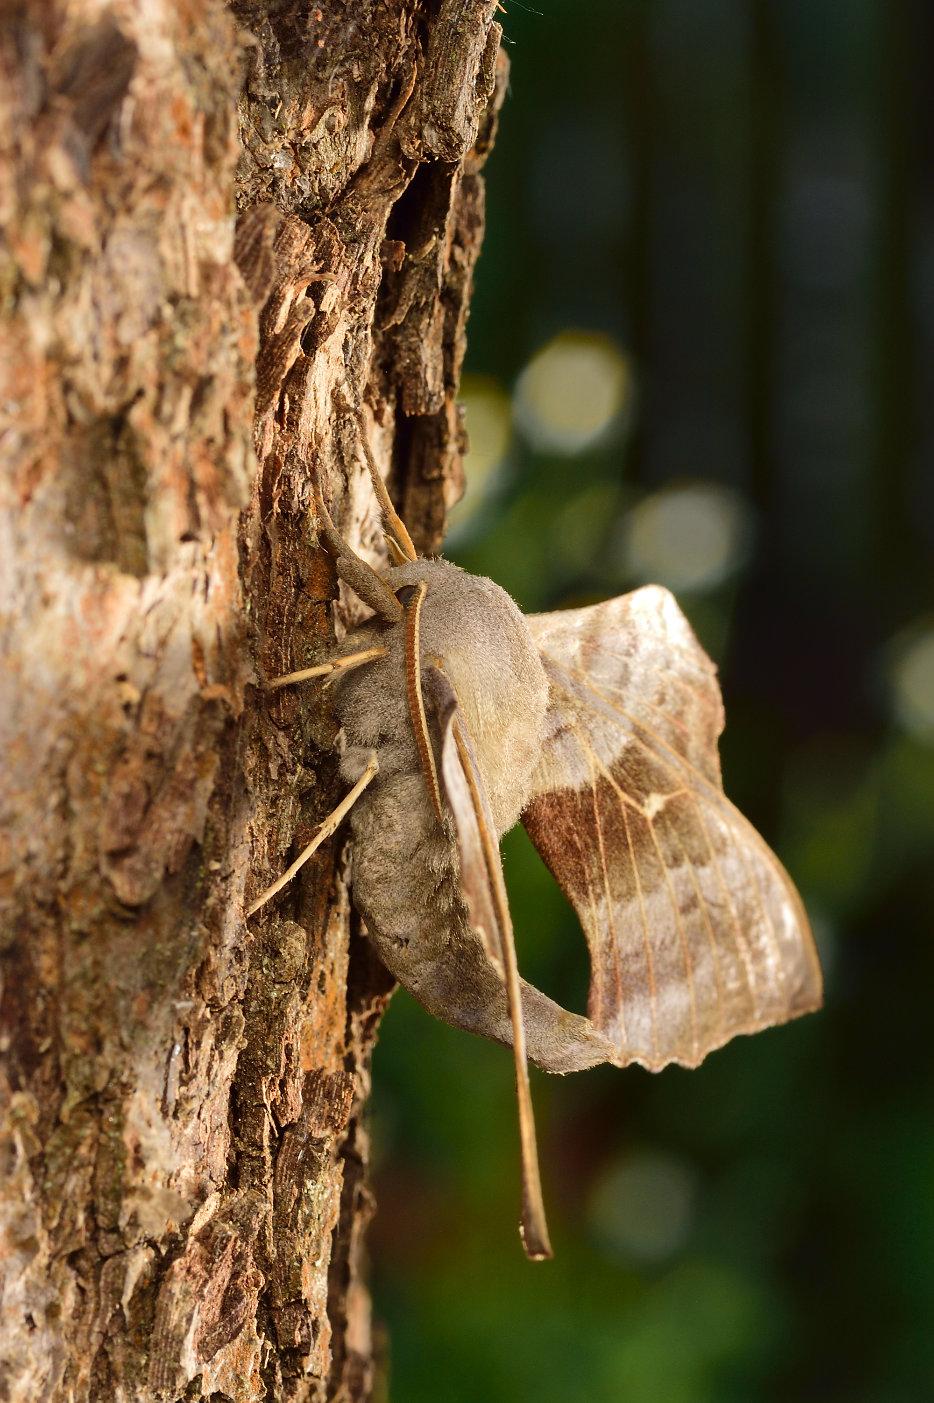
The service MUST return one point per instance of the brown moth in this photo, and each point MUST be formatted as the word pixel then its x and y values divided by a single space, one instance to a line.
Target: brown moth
pixel 598 728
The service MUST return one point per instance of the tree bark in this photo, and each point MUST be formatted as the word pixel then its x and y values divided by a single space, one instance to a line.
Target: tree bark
pixel 184 1192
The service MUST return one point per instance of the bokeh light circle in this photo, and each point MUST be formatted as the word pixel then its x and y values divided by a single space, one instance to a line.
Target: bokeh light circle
pixel 571 391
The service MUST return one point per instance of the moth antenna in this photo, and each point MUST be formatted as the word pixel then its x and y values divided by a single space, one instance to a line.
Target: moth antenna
pixel 336 666
pixel 399 556
pixel 533 1227
pixel 361 577
pixel 413 680
pixel 397 526
pixel 324 830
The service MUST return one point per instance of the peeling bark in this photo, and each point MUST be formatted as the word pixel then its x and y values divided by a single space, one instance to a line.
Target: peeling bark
pixel 223 231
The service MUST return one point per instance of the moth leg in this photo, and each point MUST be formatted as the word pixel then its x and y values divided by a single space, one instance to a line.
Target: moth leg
pixel 335 666
pixel 325 830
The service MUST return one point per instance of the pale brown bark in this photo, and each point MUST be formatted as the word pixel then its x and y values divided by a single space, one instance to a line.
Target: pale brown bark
pixel 183 1192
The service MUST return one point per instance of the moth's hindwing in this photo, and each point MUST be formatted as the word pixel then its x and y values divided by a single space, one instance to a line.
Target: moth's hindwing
pixel 696 932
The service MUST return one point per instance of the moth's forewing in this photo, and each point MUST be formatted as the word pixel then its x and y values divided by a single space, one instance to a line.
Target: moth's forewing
pixel 696 932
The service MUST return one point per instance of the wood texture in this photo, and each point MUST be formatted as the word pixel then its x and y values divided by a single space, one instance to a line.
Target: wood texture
pixel 223 230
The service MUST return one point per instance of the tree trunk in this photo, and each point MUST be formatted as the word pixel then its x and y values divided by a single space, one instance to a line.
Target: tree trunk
pixel 184 1166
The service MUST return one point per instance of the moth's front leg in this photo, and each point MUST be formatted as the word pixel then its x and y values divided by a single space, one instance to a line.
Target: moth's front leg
pixel 324 830
pixel 334 667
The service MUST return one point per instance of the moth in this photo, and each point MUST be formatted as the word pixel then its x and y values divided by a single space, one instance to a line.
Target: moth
pixel 598 728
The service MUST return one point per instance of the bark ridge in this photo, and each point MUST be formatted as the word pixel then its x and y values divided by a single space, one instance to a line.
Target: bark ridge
pixel 224 231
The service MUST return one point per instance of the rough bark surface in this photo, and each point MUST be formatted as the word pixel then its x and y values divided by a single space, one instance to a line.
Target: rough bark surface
pixel 223 230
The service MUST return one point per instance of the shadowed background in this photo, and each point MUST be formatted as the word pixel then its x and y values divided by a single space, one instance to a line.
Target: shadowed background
pixel 702 325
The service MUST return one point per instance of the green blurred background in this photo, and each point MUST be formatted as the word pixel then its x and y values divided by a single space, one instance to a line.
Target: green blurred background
pixel 703 319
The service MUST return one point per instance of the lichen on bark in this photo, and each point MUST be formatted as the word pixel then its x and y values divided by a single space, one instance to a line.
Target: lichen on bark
pixel 225 231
